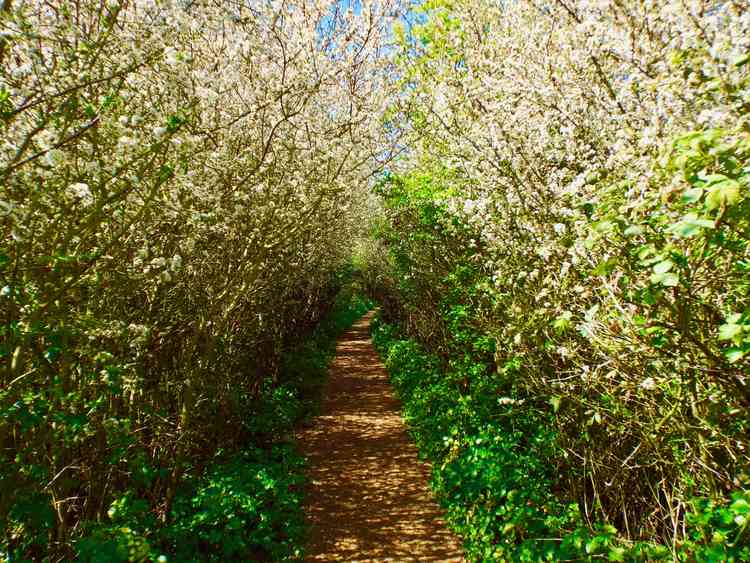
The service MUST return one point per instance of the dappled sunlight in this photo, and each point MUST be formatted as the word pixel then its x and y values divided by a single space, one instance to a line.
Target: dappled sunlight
pixel 367 495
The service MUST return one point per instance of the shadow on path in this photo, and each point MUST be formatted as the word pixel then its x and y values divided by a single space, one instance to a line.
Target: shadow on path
pixel 367 497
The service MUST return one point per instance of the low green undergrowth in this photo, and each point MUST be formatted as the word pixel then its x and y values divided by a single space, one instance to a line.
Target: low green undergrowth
pixel 496 464
pixel 245 505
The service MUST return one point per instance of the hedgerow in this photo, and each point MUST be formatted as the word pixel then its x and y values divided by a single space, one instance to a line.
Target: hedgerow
pixel 242 505
pixel 560 217
pixel 496 461
pixel 570 229
pixel 178 195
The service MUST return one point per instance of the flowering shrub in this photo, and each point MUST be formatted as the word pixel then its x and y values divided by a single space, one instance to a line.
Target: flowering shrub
pixel 177 185
pixel 567 225
pixel 575 207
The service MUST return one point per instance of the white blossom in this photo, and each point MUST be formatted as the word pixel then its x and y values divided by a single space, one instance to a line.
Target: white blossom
pixel 81 191
pixel 649 384
pixel 171 56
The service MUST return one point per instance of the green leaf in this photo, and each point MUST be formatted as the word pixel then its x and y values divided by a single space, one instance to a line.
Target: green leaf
pixel 734 355
pixel 667 279
pixel 603 226
pixel 663 267
pixel 670 280
pixel 633 230
pixel 691 225
pixel 741 506
pixel 729 331
pixel 646 251
pixel 605 267
pixel 692 195
pixel 616 554
pixel 726 192
pixel 686 230
pixel 562 322
pixel 555 402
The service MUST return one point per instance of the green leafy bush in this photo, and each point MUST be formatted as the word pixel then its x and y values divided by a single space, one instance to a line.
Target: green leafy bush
pixel 242 505
pixel 243 508
pixel 247 508
pixel 496 469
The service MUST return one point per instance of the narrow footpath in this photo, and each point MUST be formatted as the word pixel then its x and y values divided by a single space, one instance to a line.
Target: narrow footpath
pixel 367 497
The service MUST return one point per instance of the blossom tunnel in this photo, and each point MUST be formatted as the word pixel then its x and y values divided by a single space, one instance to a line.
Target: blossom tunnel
pixel 548 200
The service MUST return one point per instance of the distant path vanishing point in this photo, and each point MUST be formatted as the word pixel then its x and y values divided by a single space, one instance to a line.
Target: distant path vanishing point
pixel 367 496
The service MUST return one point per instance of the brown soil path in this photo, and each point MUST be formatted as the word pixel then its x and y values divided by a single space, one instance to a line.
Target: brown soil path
pixel 367 498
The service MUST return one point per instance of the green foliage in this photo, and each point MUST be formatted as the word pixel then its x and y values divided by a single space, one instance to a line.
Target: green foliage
pixel 274 412
pixel 247 508
pixel 244 508
pixel 29 522
pixel 496 462
pixel 719 531
pixel 119 544
pixel 492 458
pixel 241 503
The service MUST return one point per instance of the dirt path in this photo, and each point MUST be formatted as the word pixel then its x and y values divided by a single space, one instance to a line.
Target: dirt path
pixel 368 498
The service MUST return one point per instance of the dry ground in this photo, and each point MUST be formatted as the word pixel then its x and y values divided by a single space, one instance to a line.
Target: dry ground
pixel 367 497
